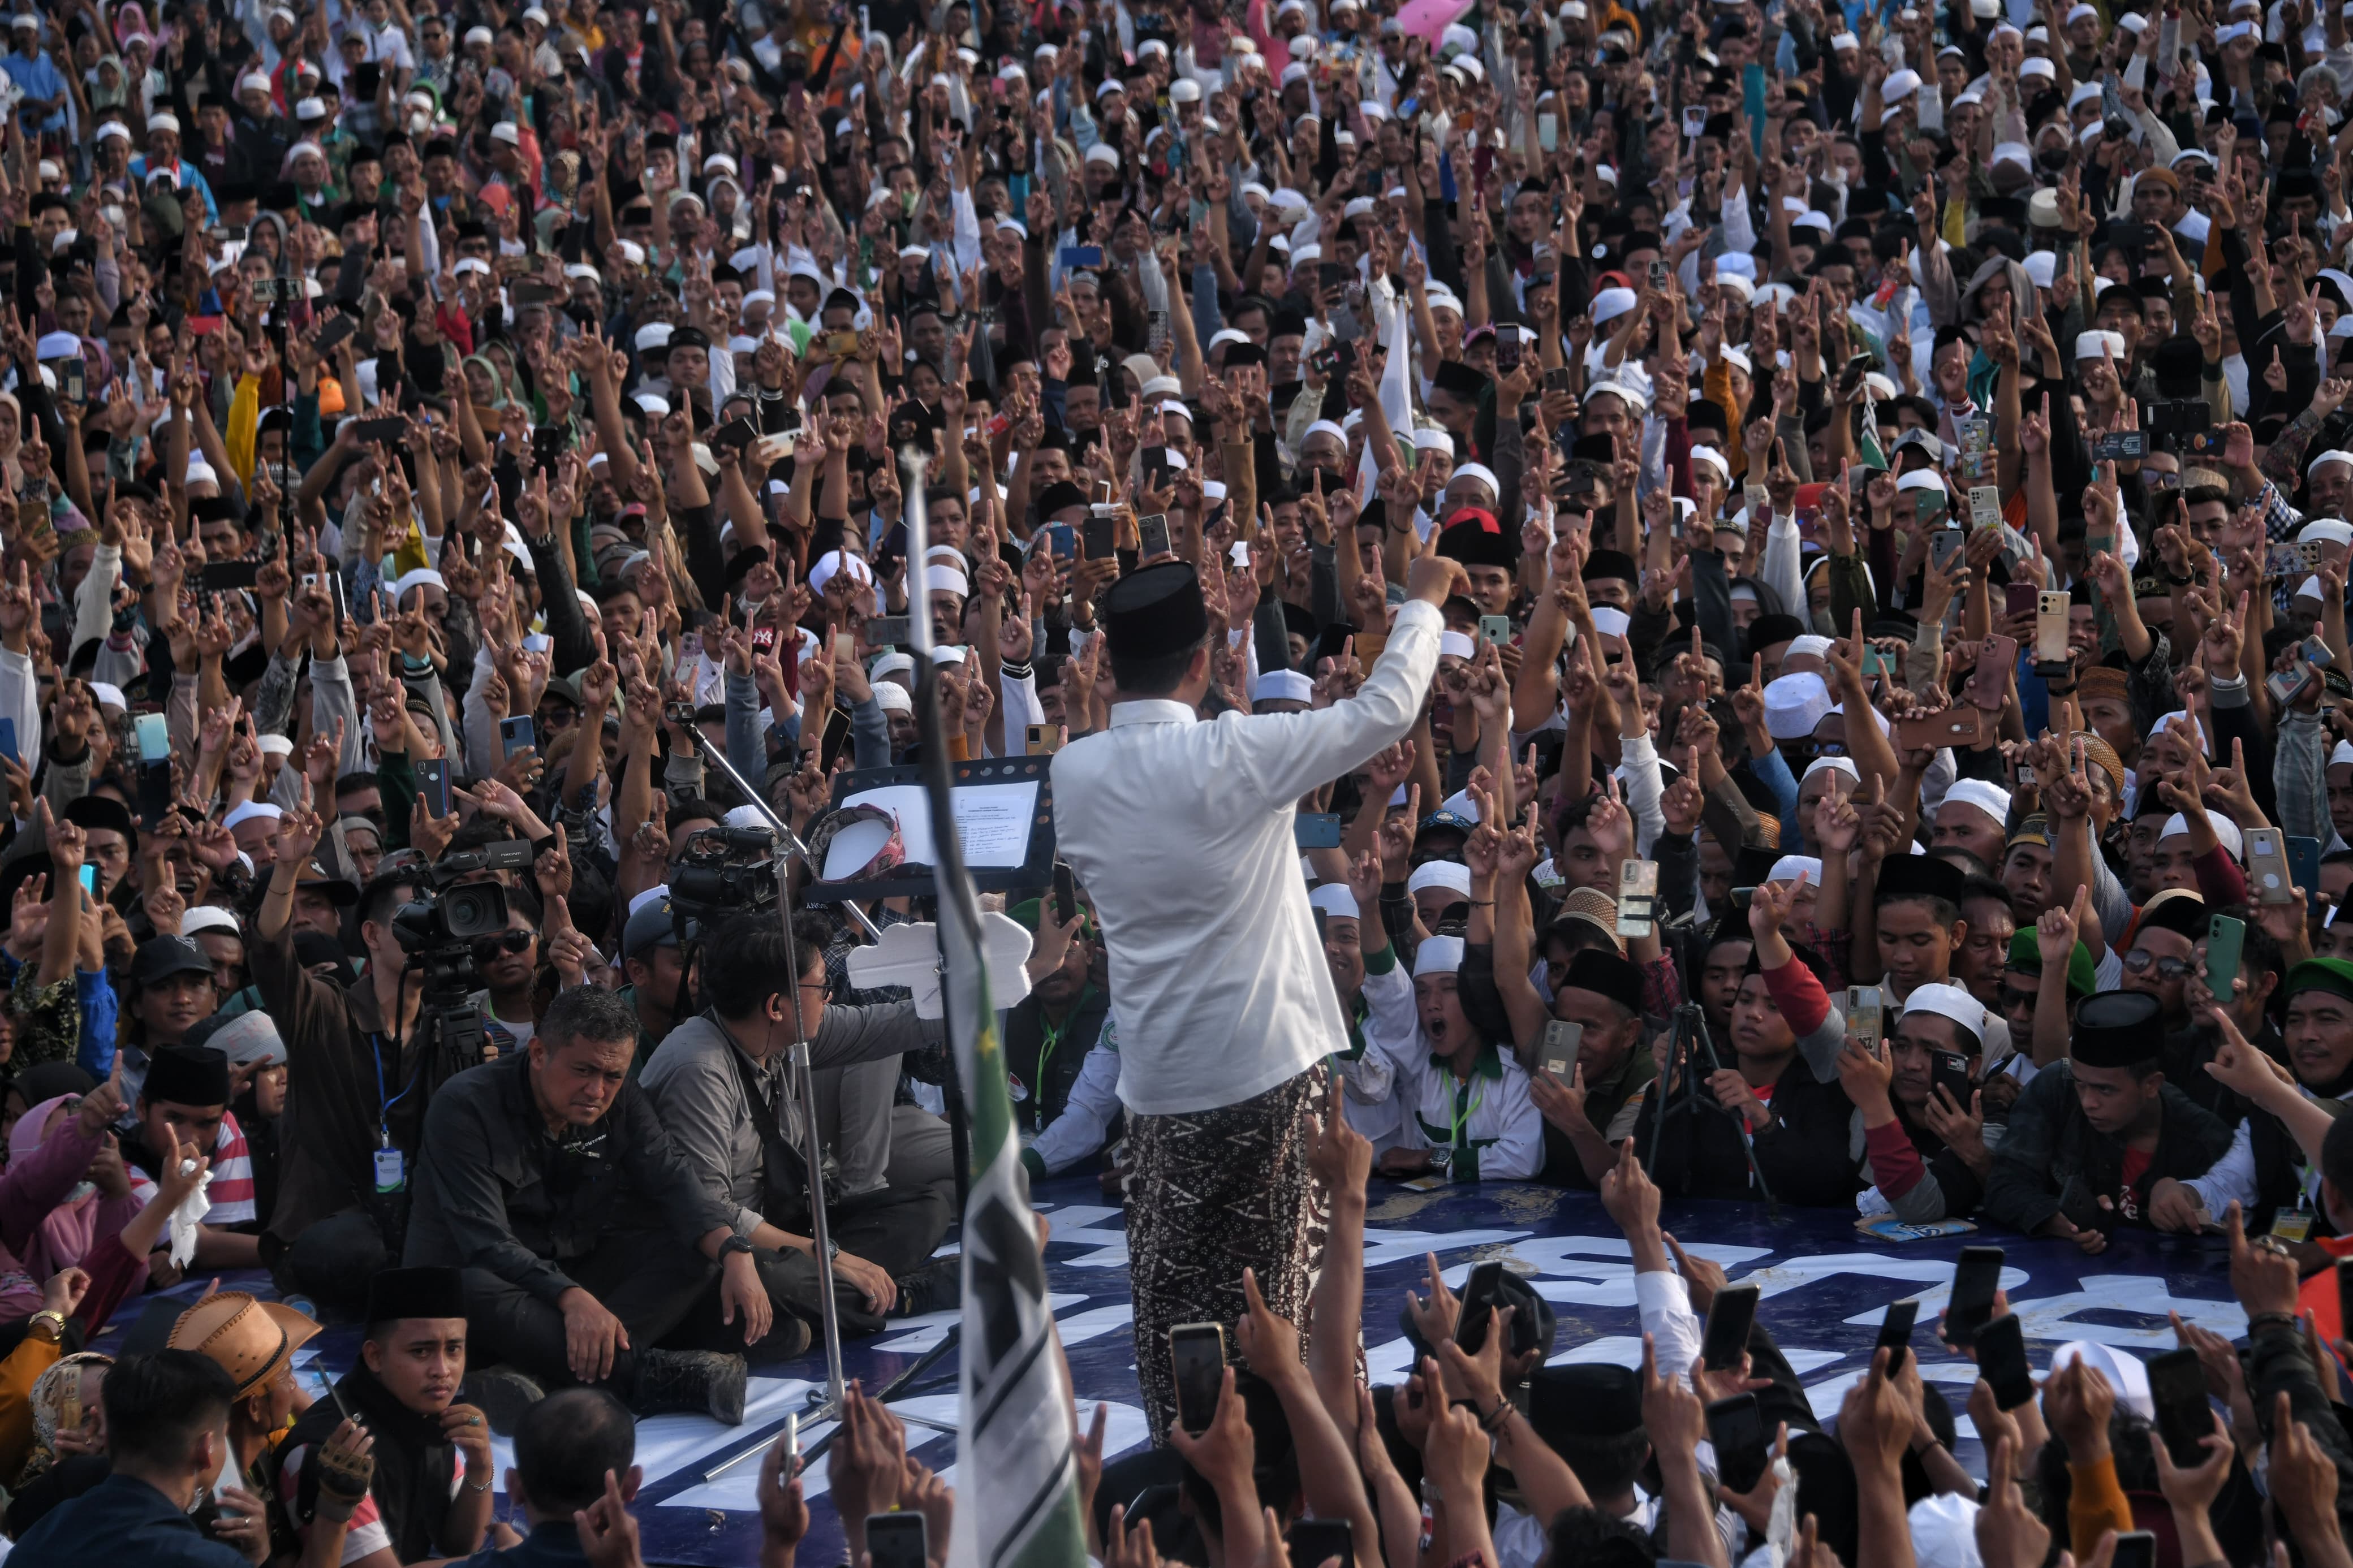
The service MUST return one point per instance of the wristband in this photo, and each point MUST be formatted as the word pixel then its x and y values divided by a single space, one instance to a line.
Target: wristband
pixel 2282 1320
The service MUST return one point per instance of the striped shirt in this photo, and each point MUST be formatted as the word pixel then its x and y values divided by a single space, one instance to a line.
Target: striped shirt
pixel 231 1191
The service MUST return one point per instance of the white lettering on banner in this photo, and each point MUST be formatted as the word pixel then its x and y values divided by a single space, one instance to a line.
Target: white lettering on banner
pixel 1084 1226
pixel 916 1335
pixel 1777 1278
pixel 1591 1281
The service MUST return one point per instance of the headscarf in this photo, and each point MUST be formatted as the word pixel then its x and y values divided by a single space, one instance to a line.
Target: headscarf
pixel 65 1234
pixel 47 1400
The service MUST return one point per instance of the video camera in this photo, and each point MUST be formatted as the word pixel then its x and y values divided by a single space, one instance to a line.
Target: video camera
pixel 722 871
pixel 437 932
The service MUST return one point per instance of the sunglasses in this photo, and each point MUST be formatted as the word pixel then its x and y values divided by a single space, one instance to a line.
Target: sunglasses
pixel 487 948
pixel 2140 960
pixel 2018 1000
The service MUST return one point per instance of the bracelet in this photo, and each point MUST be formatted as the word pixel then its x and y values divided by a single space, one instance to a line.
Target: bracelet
pixel 1481 903
pixel 55 1318
pixel 2283 1320
pixel 1493 1420
pixel 472 1488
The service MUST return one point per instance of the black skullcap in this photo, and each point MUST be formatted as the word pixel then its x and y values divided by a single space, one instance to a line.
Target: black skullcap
pixel 2116 1029
pixel 49 1079
pixel 1452 375
pixel 1586 1400
pixel 103 810
pixel 1155 612
pixel 187 1076
pixel 1475 538
pixel 1919 876
pixel 1060 496
pixel 689 338
pixel 740 564
pixel 1606 972
pixel 1766 630
pixel 396 1293
pixel 1605 565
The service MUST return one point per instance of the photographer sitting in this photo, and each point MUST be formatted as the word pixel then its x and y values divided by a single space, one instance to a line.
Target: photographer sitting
pixel 546 1178
pixel 718 1084
pixel 356 1084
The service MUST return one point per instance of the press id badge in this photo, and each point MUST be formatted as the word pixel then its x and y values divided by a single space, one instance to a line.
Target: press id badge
pixel 2292 1225
pixel 391 1171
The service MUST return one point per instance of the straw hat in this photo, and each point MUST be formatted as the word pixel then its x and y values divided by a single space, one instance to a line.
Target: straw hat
pixel 253 1341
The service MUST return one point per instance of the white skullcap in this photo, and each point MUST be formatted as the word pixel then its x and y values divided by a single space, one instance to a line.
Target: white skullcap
pixel 652 335
pixel 1794 704
pixel 947 580
pixel 892 698
pixel 1612 303
pixel 276 745
pixel 834 561
pixel 2225 830
pixel 422 576
pixel 248 810
pixel 110 695
pixel 1451 875
pixel 1610 621
pixel 163 121
pixel 1831 765
pixel 1437 955
pixel 1789 868
pixel 207 917
pixel 1459 644
pixel 1990 799
pixel 1951 1002
pixel 1921 479
pixel 2343 754
pixel 1479 471
pixel 1282 685
pixel 1336 900
pixel 1712 457
pixel 2323 531
pixel 1899 85
pixel 2043 266
pixel 2163 726
pixel 2091 345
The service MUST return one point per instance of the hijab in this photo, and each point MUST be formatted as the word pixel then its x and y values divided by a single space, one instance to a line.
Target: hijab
pixel 65 1234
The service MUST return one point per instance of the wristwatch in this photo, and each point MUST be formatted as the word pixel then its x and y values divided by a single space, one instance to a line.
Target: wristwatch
pixel 832 1249
pixel 734 1243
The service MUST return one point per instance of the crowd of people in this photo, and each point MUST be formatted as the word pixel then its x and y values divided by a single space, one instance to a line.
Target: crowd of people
pixel 1733 600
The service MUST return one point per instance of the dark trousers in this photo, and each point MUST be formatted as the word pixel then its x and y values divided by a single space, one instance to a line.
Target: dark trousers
pixel 894 1228
pixel 649 1279
pixel 332 1261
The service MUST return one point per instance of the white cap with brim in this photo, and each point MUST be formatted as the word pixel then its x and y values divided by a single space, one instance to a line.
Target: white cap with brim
pixel 1951 1002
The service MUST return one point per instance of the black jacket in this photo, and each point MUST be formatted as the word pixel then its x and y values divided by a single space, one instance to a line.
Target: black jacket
pixel 1047 1081
pixel 495 1191
pixel 416 1464
pixel 2050 1149
pixel 1802 1154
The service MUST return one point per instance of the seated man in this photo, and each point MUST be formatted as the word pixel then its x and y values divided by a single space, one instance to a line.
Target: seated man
pixel 2094 1141
pixel 566 1447
pixel 167 1429
pixel 1586 1118
pixel 1066 1075
pixel 1923 1150
pixel 403 1391
pixel 717 1085
pixel 185 1099
pixel 585 1239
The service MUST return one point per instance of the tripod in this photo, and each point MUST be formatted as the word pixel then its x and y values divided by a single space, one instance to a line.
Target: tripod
pixel 824 1402
pixel 1693 1053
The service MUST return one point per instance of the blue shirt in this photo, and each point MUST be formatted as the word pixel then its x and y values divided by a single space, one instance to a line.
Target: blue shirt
pixel 124 1519
pixel 551 1544
pixel 37 78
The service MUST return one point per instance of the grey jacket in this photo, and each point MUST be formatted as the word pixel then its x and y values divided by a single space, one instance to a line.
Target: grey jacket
pixel 698 1100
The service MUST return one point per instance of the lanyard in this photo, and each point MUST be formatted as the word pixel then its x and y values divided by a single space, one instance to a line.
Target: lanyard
pixel 384 1106
pixel 1462 1113
pixel 1052 1039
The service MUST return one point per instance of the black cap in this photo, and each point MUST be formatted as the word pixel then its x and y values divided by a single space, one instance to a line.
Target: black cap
pixel 398 1293
pixel 1584 1400
pixel 1919 876
pixel 187 1076
pixel 159 958
pixel 1606 972
pixel 1157 612
pixel 2116 1029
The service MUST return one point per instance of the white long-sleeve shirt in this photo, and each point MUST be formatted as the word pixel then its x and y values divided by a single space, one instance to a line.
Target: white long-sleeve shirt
pixel 1182 832
pixel 1390 1023
pixel 1486 1124
pixel 1088 1111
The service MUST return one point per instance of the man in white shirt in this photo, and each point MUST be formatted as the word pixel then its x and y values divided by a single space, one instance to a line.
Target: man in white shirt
pixel 1183 834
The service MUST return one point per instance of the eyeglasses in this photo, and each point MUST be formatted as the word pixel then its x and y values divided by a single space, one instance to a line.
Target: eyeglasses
pixel 2018 1000
pixel 2140 960
pixel 487 948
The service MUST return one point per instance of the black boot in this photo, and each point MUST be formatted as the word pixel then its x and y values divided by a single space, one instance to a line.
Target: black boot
pixel 787 1338
pixel 502 1393
pixel 690 1382
pixel 937 1286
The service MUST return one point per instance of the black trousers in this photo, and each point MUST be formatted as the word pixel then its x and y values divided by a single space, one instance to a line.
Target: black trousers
pixel 332 1261
pixel 894 1228
pixel 652 1280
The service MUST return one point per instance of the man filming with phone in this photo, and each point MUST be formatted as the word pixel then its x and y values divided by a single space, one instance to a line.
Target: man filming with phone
pixel 1182 832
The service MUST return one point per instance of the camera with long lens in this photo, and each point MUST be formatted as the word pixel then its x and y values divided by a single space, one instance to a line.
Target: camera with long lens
pixel 722 871
pixel 438 929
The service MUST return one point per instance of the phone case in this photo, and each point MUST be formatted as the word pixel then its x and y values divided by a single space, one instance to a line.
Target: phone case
pixel 2051 628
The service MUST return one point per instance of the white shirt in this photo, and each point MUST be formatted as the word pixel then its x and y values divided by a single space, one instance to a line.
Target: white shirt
pixel 1491 1116
pixel 1182 833
pixel 1375 1109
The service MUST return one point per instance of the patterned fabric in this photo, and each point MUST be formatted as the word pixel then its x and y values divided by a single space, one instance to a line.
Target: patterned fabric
pixel 48 1019
pixel 1228 1189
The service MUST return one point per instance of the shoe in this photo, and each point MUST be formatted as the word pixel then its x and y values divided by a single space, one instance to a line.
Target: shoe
pixel 786 1337
pixel 937 1286
pixel 501 1394
pixel 690 1383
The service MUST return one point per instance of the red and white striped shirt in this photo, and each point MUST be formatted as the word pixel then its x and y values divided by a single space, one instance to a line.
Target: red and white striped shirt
pixel 231 1191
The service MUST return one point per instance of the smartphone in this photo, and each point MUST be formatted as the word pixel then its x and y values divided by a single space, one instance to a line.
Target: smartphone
pixel 2120 447
pixel 8 740
pixel 71 385
pixel 1637 897
pixel 1729 1318
pixel 1062 541
pixel 1737 1428
pixel 2134 1548
pixel 1044 739
pixel 1197 1357
pixel 394 429
pixel 1851 375
pixel 1314 1541
pixel 2267 866
pixel 896 1539
pixel 1695 121
pixel 738 433
pixel 517 734
pixel 2002 1362
pixel 1071 257
pixel 90 879
pixel 1929 506
pixel 1097 534
pixel 1985 506
pixel 1658 276
pixel 1946 545
pixel 1557 1054
pixel 220 576
pixel 1975 1279
pixel 1896 1332
pixel 2304 863
pixel 2177 1386
pixel 1481 1293
pixel 339 327
pixel 153 734
pixel 1548 132
pixel 1066 895
pixel 1495 629
pixel 1152 532
pixel 1989 683
pixel 2344 1286
pixel 1156 467
pixel 2225 940
pixel 2018 598
pixel 1866 1015
pixel 433 785
pixel 1315 830
pixel 2050 630
pixel 1950 1071
pixel 889 631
